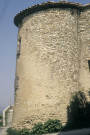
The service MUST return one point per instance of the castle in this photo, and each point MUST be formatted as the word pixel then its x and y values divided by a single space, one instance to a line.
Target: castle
pixel 53 60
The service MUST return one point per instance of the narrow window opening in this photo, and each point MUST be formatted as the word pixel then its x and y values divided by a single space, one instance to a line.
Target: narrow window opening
pixel 19 47
pixel 16 82
pixel 89 64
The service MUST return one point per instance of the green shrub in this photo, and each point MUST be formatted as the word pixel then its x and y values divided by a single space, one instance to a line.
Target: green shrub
pixel 1 120
pixel 38 129
pixel 1 123
pixel 1 117
pixel 78 111
pixel 25 131
pixel 52 126
pixel 11 131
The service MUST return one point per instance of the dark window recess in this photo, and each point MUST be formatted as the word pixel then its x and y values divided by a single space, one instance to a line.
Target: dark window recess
pixel 89 64
pixel 16 82
pixel 72 12
pixel 18 47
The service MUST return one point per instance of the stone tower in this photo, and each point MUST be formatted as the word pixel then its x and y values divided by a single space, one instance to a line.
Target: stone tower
pixel 53 60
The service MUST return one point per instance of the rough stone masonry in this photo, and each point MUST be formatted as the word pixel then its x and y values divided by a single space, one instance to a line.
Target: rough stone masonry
pixel 53 60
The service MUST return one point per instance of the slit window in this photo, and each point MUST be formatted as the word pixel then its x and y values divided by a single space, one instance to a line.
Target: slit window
pixel 16 82
pixel 89 64
pixel 19 47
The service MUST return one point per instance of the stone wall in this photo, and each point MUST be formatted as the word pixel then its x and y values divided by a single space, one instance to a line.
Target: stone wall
pixel 84 41
pixel 53 55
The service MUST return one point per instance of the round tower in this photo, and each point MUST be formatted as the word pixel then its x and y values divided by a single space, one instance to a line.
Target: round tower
pixel 48 62
pixel 84 41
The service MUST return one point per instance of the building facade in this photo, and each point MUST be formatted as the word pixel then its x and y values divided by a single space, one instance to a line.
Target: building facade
pixel 53 60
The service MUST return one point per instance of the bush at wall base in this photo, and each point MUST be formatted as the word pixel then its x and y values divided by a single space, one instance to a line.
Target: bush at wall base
pixel 11 131
pixel 51 126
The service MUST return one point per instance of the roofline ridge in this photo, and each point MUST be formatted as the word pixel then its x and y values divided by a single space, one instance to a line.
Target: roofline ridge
pixel 46 5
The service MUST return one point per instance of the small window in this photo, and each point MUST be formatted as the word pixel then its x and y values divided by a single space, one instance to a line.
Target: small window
pixel 16 82
pixel 19 47
pixel 89 64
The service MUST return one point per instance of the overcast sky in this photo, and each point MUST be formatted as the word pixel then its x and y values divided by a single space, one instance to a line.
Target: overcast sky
pixel 8 44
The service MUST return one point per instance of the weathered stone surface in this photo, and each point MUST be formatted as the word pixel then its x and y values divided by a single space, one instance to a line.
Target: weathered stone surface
pixel 51 65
